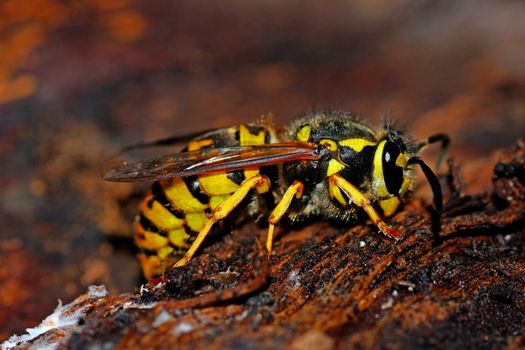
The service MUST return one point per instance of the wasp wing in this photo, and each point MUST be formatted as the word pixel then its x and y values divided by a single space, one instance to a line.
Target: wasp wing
pixel 206 161
pixel 176 139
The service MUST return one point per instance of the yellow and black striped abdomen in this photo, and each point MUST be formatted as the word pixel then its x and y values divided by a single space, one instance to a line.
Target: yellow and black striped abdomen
pixel 173 212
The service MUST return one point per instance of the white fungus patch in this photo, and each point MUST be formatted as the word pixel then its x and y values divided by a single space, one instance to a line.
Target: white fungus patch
pixel 57 320
pixel 97 292
pixel 162 318
pixel 143 289
pixel 294 278
pixel 61 319
pixel 181 328
pixel 133 305
pixel 388 303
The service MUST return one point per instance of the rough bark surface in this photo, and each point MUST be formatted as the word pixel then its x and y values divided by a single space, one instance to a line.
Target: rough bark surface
pixel 81 79
pixel 327 287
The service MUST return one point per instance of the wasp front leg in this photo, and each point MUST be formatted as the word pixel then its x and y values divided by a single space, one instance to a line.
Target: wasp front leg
pixel 360 200
pixel 260 182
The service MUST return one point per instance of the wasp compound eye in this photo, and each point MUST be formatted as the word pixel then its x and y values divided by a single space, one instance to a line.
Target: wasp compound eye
pixel 393 174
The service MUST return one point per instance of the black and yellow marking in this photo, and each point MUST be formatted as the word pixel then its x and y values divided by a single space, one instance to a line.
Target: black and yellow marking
pixel 260 182
pixel 303 134
pixel 389 206
pixel 194 186
pixel 159 195
pixel 178 214
pixel 361 201
pixel 359 170
pixel 237 176
pixel 357 144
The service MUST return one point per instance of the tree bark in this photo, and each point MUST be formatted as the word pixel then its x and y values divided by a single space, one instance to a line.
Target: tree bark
pixel 328 287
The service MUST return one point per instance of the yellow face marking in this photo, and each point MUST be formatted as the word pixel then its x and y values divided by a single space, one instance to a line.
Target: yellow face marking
pixel 198 144
pixel 402 160
pixel 179 238
pixel 334 166
pixel 196 221
pixel 181 198
pixel 389 206
pixel 304 133
pixel 160 215
pixel 378 176
pixel 357 144
pixel 217 184
pixel 246 138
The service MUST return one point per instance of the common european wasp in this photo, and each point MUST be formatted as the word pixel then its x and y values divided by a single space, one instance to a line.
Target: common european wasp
pixel 326 164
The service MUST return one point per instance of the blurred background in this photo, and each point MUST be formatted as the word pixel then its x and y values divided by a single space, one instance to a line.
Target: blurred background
pixel 79 79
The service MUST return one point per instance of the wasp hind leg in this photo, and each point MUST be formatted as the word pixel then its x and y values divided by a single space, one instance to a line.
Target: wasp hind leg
pixel 295 190
pixel 260 182
pixel 360 200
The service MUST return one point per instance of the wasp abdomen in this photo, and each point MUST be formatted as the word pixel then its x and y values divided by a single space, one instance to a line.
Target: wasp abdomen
pixel 175 211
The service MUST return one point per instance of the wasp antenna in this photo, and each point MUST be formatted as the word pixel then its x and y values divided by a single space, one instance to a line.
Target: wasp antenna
pixel 445 142
pixel 432 180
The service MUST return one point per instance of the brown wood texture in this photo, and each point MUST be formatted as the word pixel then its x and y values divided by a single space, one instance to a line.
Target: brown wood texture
pixel 78 80
pixel 327 287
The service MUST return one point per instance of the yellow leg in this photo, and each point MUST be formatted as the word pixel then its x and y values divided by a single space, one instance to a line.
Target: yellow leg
pixel 296 189
pixel 223 210
pixel 360 200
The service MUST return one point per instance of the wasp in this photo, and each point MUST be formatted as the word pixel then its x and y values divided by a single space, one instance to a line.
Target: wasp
pixel 326 164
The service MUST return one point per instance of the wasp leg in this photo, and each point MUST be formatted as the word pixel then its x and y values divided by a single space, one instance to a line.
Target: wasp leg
pixel 261 182
pixel 360 200
pixel 295 190
pixel 445 141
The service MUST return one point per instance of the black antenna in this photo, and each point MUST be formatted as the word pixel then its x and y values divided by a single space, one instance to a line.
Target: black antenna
pixel 445 142
pixel 436 190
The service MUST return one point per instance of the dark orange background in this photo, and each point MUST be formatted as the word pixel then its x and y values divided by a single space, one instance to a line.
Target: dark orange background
pixel 80 79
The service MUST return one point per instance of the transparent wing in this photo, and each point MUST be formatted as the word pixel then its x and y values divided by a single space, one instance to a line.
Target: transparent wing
pixel 175 139
pixel 205 161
